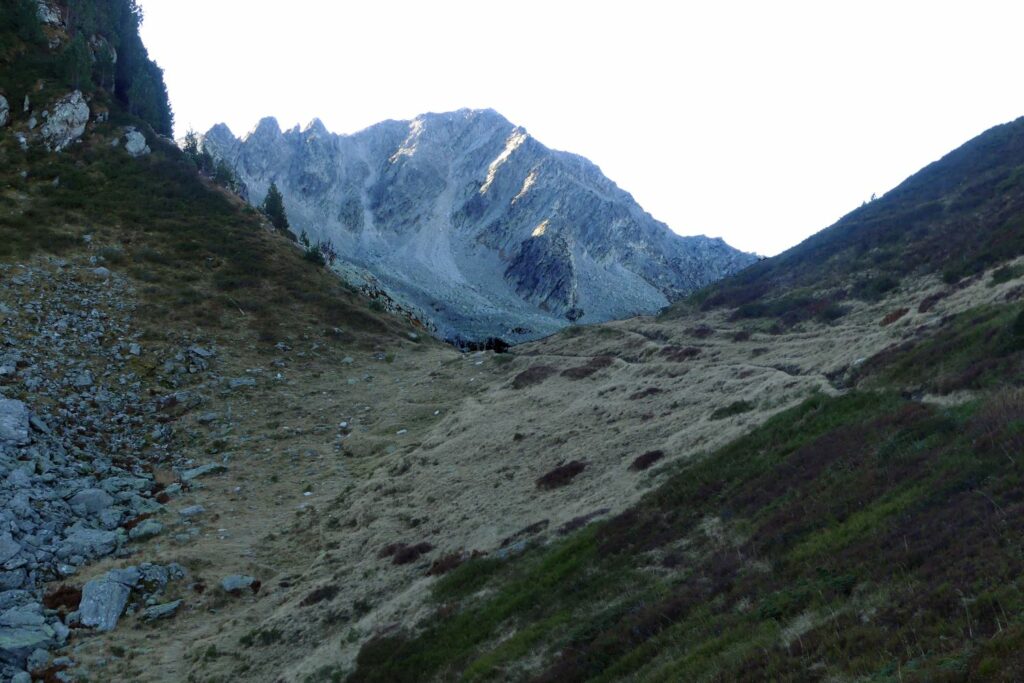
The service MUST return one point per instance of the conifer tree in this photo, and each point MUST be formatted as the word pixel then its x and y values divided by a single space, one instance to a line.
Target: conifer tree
pixel 223 175
pixel 21 18
pixel 273 206
pixel 191 147
pixel 77 64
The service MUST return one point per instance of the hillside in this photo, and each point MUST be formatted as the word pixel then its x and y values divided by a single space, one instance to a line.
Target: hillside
pixel 473 224
pixel 956 217
pixel 219 462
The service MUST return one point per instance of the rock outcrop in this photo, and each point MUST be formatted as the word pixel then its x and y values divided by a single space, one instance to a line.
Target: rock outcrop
pixel 135 142
pixel 5 111
pixel 48 13
pixel 65 121
pixel 474 225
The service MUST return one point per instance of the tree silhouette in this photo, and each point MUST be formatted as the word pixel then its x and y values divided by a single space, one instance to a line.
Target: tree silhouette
pixel 273 206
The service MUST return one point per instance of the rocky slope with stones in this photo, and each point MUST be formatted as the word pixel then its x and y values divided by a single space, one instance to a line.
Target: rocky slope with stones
pixel 83 439
pixel 473 224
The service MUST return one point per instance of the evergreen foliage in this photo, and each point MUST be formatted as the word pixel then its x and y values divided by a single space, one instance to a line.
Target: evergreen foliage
pixel 218 170
pixel 97 31
pixel 76 64
pixel 20 20
pixel 273 207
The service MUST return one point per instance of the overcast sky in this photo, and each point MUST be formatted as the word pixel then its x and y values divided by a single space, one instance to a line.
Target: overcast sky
pixel 759 122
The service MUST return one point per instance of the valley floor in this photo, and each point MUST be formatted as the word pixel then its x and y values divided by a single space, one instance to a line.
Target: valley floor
pixel 439 458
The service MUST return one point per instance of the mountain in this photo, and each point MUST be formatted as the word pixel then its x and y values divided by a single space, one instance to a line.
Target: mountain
pixel 219 462
pixel 473 224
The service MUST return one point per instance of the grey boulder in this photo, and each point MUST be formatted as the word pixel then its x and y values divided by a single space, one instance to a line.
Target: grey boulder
pixel 14 420
pixel 135 142
pixel 148 529
pixel 236 583
pixel 89 542
pixel 202 471
pixel 92 500
pixel 8 547
pixel 17 643
pixel 103 599
pixel 66 122
pixel 164 611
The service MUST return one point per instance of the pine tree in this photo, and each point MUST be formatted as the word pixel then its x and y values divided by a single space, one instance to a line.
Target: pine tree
pixel 224 176
pixel 21 18
pixel 273 206
pixel 191 147
pixel 77 64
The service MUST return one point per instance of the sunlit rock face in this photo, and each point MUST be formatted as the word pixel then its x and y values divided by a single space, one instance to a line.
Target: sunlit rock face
pixel 470 222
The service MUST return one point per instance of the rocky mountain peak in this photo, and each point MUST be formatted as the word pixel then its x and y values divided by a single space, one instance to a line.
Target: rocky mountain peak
pixel 473 224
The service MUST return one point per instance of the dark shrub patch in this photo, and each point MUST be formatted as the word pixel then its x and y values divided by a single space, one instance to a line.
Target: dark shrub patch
pixel 893 316
pixel 410 553
pixel 701 331
pixel 526 532
pixel 644 393
pixel 595 364
pixel 261 636
pixel 561 475
pixel 678 354
pixel 66 598
pixel 445 564
pixel 735 408
pixel 741 336
pixel 496 344
pixel 1006 273
pixel 319 595
pixel 874 288
pixel 642 462
pixel 928 303
pixel 532 376
pixel 581 521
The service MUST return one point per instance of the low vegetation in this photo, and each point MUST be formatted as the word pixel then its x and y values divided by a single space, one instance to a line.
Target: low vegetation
pixel 865 536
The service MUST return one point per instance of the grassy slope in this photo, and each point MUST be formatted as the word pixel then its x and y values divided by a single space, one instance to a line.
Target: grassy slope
pixel 199 256
pixel 862 536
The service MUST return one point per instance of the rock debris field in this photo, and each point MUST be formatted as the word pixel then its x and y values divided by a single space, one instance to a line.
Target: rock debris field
pixel 81 438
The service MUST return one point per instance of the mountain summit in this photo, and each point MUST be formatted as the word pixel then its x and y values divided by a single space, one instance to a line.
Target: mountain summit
pixel 467 220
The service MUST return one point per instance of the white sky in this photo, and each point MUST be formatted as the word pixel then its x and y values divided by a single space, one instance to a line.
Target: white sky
pixel 760 122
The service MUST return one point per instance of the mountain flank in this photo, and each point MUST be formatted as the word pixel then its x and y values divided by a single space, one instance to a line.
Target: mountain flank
pixel 472 224
pixel 219 461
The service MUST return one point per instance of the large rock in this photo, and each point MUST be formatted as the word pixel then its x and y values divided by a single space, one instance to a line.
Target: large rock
pixel 148 529
pixel 14 422
pixel 236 583
pixel 48 13
pixel 104 599
pixel 164 611
pixel 473 224
pixel 202 471
pixel 17 643
pixel 93 501
pixel 13 579
pixel 8 547
pixel 66 121
pixel 135 142
pixel 88 542
pixel 5 111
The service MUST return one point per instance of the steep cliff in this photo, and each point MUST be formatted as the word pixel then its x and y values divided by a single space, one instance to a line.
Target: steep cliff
pixel 471 222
